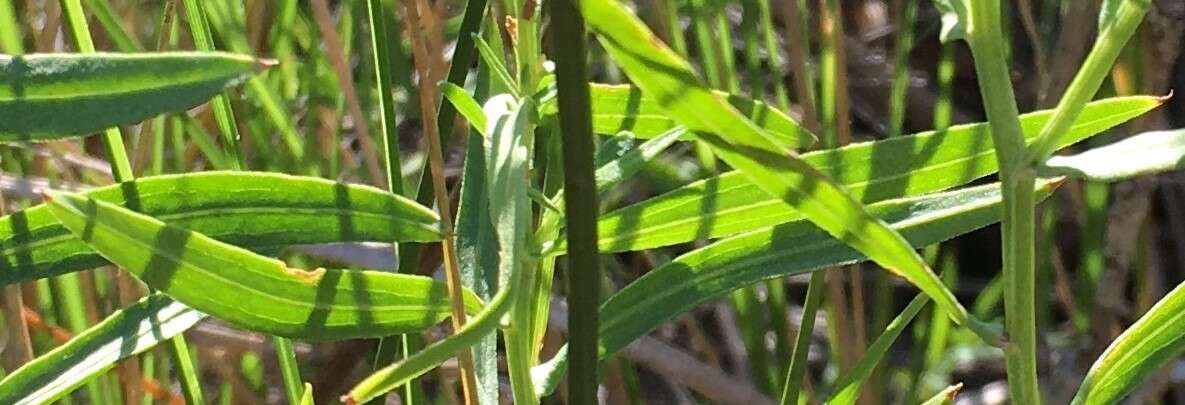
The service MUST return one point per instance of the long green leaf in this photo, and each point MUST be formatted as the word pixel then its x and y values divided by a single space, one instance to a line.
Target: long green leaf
pixel 659 72
pixel 125 333
pixel 260 211
pixel 48 96
pixel 1155 339
pixel 617 108
pixel 871 171
pixel 252 291
pixel 792 248
pixel 1143 154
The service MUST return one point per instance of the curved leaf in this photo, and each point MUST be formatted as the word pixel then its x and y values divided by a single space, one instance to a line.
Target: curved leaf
pixel 252 291
pixel 796 247
pixel 48 96
pixel 1155 339
pixel 871 171
pixel 125 333
pixel 260 211
pixel 778 171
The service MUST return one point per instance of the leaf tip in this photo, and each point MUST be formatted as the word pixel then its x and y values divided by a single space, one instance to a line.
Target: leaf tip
pixel 348 399
pixel 267 63
pixel 1162 100
pixel 954 391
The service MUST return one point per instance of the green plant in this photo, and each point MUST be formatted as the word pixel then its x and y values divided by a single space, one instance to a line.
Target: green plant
pixel 540 194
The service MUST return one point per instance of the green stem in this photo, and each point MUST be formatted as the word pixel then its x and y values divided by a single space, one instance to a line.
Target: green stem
pixel 802 343
pixel 187 373
pixel 121 166
pixel 581 202
pixel 199 29
pixel 1090 77
pixel 380 51
pixel 289 369
pixel 987 41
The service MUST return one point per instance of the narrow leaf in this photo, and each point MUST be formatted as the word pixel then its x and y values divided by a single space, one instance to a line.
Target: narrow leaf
pixel 259 211
pixel 123 334
pixel 1143 154
pixel 658 71
pixel 1157 338
pixel 49 96
pixel 872 171
pixel 848 385
pixel 466 105
pixel 792 248
pixel 251 291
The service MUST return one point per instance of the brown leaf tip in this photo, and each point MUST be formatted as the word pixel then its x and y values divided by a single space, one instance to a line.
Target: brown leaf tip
pixel 348 399
pixel 1165 98
pixel 306 276
pixel 954 392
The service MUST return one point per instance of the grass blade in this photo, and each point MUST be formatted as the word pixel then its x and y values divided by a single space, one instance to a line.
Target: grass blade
pixel 123 334
pixel 214 278
pixel 261 211
pixel 47 96
pixel 848 385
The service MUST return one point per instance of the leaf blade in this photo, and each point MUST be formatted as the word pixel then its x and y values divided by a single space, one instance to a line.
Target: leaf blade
pixel 126 332
pixel 251 291
pixel 261 211
pixel 51 96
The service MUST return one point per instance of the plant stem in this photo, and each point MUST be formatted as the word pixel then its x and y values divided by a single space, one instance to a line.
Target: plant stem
pixel 289 370
pixel 986 40
pixel 427 93
pixel 802 343
pixel 199 29
pixel 581 202
pixel 1090 76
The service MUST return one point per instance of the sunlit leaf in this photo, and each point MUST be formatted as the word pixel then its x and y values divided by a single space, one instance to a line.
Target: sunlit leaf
pixel 872 171
pixel 252 291
pixel 49 96
pixel 1140 155
pixel 792 248
pixel 125 333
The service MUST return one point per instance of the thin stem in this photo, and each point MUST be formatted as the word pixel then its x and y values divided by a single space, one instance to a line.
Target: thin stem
pixel 187 373
pixel 1089 78
pixel 199 29
pixel 379 32
pixel 289 370
pixel 1017 180
pixel 121 167
pixel 580 198
pixel 427 93
pixel 802 343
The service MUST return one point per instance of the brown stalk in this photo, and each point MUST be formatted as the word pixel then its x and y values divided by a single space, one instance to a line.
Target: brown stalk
pixel 19 349
pixel 427 93
pixel 345 80
pixel 796 48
